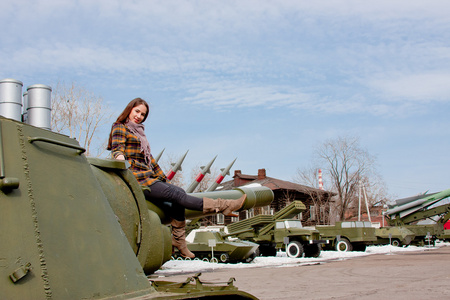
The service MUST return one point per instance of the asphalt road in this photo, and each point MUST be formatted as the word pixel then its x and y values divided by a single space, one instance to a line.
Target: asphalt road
pixel 403 275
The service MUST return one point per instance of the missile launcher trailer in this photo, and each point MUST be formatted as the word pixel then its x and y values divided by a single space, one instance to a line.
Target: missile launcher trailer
pixel 73 228
pixel 406 213
pixel 279 231
pixel 348 235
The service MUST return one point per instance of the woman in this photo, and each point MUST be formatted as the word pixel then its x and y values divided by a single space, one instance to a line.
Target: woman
pixel 127 141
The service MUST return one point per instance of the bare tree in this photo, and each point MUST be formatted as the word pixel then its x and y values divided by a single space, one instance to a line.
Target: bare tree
pixel 346 165
pixel 320 199
pixel 79 114
pixel 374 189
pixel 308 177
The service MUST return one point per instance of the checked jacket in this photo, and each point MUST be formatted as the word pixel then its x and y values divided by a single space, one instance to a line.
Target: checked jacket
pixel 126 143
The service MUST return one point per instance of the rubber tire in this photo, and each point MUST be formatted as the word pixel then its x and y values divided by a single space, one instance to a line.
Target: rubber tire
pixel 313 250
pixel 294 249
pixel 343 245
pixel 359 247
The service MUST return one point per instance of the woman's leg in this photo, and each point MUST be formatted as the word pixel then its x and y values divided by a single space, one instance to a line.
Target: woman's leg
pixel 173 210
pixel 163 192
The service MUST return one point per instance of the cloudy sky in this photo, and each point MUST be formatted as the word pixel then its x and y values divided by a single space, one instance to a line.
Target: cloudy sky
pixel 263 81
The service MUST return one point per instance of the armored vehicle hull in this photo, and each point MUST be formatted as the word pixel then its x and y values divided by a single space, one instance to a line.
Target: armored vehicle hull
pixel 75 230
pixel 396 236
pixel 212 246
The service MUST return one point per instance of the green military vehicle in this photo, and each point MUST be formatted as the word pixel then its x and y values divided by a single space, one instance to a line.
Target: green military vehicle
pixel 78 228
pixel 215 246
pixel 410 212
pixel 348 235
pixel 445 236
pixel 396 236
pixel 279 232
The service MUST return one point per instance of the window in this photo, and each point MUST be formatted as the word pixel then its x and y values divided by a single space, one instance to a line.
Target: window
pixel 269 210
pixel 346 224
pixel 293 224
pixel 312 212
pixel 266 210
pixel 359 224
pixel 220 219
pixel 279 225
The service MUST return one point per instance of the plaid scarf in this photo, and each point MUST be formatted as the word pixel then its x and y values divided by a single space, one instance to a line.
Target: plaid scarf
pixel 138 130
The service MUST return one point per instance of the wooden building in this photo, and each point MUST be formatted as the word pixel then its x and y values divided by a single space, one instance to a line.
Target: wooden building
pixel 317 201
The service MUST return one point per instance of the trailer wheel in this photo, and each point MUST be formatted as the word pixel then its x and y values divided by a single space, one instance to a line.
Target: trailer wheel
pixel 224 258
pixel 343 245
pixel 294 249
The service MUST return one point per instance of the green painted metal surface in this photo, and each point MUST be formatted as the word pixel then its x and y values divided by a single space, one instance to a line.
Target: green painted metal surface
pixel 359 234
pixel 73 228
pixel 59 223
pixel 224 250
pixel 273 232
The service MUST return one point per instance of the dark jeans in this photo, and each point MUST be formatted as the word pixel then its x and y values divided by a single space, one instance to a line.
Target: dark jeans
pixel 172 199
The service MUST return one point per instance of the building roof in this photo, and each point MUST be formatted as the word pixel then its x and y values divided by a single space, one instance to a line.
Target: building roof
pixel 274 184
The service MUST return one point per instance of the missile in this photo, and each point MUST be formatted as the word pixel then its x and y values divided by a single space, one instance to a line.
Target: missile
pixel 159 155
pixel 225 172
pixel 406 200
pixel 176 167
pixel 413 206
pixel 200 176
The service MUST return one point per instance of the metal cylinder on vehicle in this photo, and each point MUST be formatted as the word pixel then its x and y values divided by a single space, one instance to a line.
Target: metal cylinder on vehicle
pixel 25 107
pixel 39 106
pixel 11 99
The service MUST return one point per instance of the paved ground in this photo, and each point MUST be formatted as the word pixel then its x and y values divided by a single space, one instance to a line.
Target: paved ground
pixel 405 275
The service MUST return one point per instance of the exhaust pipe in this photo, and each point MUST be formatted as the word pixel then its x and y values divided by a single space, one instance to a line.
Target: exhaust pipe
pixel 39 110
pixel 11 99
pixel 37 103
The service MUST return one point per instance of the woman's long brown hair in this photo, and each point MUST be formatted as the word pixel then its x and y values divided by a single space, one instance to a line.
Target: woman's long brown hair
pixel 126 112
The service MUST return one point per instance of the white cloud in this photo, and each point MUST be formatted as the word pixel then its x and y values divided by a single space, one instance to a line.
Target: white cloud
pixel 326 56
pixel 422 87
